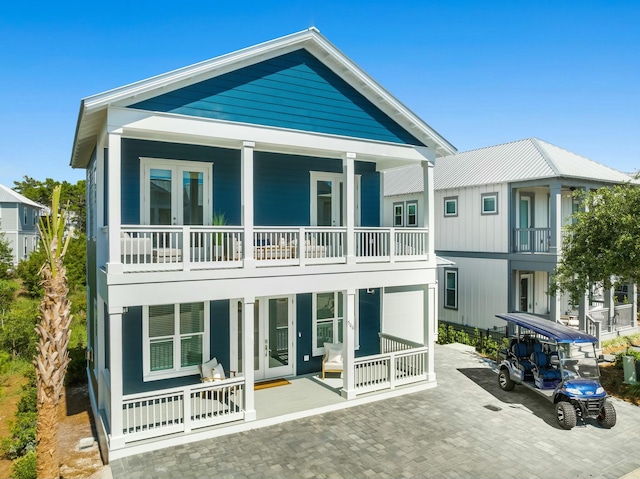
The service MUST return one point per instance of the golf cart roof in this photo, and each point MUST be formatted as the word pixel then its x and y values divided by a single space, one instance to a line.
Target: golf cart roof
pixel 556 331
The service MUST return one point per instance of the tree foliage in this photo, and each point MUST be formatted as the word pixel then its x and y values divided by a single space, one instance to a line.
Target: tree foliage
pixel 42 191
pixel 6 257
pixel 602 246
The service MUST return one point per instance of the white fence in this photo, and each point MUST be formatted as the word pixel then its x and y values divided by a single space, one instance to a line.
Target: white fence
pixel 147 415
pixel 389 370
pixel 167 248
pixel 391 344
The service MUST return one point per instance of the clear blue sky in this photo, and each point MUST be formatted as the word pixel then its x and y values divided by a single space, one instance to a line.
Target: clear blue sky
pixel 479 72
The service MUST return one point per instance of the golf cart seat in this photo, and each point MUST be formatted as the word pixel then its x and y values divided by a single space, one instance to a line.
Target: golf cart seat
pixel 519 351
pixel 542 366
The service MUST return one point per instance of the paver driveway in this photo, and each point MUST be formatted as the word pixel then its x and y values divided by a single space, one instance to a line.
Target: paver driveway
pixel 465 428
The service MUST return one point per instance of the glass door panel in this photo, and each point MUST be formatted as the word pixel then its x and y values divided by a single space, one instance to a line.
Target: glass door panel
pixel 192 197
pixel 160 196
pixel 324 213
pixel 278 333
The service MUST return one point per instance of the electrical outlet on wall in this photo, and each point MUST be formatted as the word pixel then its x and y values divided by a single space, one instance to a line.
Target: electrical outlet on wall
pixel 306 357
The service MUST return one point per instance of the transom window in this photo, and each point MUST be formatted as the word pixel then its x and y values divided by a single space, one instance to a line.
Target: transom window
pixel 451 288
pixel 176 339
pixel 451 206
pixel 489 203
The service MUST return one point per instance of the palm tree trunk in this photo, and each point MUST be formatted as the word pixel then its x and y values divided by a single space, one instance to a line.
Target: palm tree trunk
pixel 51 363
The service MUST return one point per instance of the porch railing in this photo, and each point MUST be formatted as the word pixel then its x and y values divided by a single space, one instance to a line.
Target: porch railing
pixel 531 240
pixel 391 344
pixel 622 317
pixel 166 248
pixel 148 415
pixel 388 370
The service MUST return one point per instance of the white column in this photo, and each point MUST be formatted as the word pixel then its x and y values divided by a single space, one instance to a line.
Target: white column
pixel 248 339
pixel 349 343
pixel 247 203
pixel 633 300
pixel 115 376
pixel 428 210
pixel 610 304
pixel 555 218
pixel 430 328
pixel 98 353
pixel 382 205
pixel 348 171
pixel 114 263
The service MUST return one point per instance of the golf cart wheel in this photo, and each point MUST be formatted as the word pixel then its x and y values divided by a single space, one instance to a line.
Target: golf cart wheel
pixel 607 416
pixel 566 415
pixel 505 381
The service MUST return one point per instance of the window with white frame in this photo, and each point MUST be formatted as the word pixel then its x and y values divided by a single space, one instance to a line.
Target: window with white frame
pixel 24 209
pixel 451 206
pixel 176 339
pixel 412 213
pixel 398 214
pixel 489 203
pixel 35 215
pixel 451 288
pixel 328 316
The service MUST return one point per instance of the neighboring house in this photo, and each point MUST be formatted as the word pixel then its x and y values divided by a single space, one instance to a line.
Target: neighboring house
pixel 286 139
pixel 19 218
pixel 500 213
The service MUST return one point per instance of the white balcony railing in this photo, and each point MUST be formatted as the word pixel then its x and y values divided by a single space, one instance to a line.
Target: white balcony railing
pixel 176 410
pixel 166 248
pixel 388 370
pixel 531 240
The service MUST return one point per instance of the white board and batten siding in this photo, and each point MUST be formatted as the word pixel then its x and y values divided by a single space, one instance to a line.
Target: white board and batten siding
pixel 403 312
pixel 482 292
pixel 470 230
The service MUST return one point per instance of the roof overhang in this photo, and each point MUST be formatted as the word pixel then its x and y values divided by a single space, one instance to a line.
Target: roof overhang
pixel 556 331
pixel 93 109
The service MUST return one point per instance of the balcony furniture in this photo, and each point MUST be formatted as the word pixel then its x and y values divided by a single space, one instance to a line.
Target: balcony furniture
pixel 332 359
pixel 135 250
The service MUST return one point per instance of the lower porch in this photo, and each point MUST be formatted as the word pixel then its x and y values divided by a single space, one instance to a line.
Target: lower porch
pixel 211 409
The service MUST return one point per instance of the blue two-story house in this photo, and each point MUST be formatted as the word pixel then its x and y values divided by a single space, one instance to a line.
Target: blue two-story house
pixel 236 235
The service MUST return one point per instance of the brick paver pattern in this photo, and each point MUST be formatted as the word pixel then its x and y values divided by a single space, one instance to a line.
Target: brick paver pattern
pixel 465 428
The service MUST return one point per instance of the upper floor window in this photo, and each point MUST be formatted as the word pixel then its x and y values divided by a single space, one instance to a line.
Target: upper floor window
pixel 412 213
pixel 451 288
pixel 490 203
pixel 398 214
pixel 176 339
pixel 451 206
pixel 24 209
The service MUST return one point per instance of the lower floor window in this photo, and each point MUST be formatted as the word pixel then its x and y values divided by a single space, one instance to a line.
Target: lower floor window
pixel 451 289
pixel 175 338
pixel 328 317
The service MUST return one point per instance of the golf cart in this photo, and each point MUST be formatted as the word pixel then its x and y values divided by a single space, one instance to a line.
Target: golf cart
pixel 557 362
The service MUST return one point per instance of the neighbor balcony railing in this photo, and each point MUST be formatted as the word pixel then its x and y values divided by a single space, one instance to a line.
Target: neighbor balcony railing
pixel 531 240
pixel 165 248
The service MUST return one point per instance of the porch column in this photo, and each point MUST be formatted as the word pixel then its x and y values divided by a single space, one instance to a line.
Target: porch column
pixel 554 307
pixel 382 220
pixel 610 304
pixel 430 327
pixel 247 204
pixel 632 295
pixel 99 353
pixel 348 171
pixel 428 211
pixel 583 309
pixel 349 344
pixel 116 371
pixel 555 218
pixel 102 248
pixel 248 308
pixel 114 261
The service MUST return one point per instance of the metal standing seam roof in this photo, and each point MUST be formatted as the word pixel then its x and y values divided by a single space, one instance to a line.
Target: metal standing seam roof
pixel 556 331
pixel 520 160
pixel 7 195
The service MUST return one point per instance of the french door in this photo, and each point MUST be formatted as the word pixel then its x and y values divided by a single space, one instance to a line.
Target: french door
pixel 526 293
pixel 327 199
pixel 273 334
pixel 525 223
pixel 175 192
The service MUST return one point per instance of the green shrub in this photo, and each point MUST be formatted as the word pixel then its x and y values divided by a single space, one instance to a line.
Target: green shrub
pixel 25 466
pixel 77 369
pixel 628 352
pixel 23 428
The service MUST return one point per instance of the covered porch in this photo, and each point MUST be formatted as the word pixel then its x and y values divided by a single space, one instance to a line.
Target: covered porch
pixel 217 408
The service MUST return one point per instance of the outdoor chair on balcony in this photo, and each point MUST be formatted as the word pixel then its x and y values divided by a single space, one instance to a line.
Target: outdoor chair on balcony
pixel 135 250
pixel 332 359
pixel 212 371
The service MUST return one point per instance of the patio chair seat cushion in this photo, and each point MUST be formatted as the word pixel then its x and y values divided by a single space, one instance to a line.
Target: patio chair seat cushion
pixel 206 369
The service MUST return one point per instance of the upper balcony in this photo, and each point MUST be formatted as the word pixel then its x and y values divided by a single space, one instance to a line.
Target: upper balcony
pixel 185 248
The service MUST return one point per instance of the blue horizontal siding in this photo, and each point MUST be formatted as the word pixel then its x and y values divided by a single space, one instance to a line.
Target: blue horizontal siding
pixel 282 188
pixel 295 91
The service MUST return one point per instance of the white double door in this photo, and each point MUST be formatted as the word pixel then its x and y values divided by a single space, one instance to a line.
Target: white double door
pixel 273 333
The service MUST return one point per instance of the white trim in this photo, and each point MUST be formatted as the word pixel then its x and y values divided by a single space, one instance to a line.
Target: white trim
pixel 319 351
pixel 446 288
pixel 177 370
pixel 454 200
pixel 416 221
pixel 484 196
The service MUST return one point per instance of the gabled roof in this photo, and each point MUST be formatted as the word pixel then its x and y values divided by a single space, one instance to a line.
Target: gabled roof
pixel 521 160
pixel 93 109
pixel 7 195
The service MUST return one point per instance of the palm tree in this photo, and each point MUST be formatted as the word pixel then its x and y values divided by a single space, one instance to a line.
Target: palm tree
pixel 53 331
